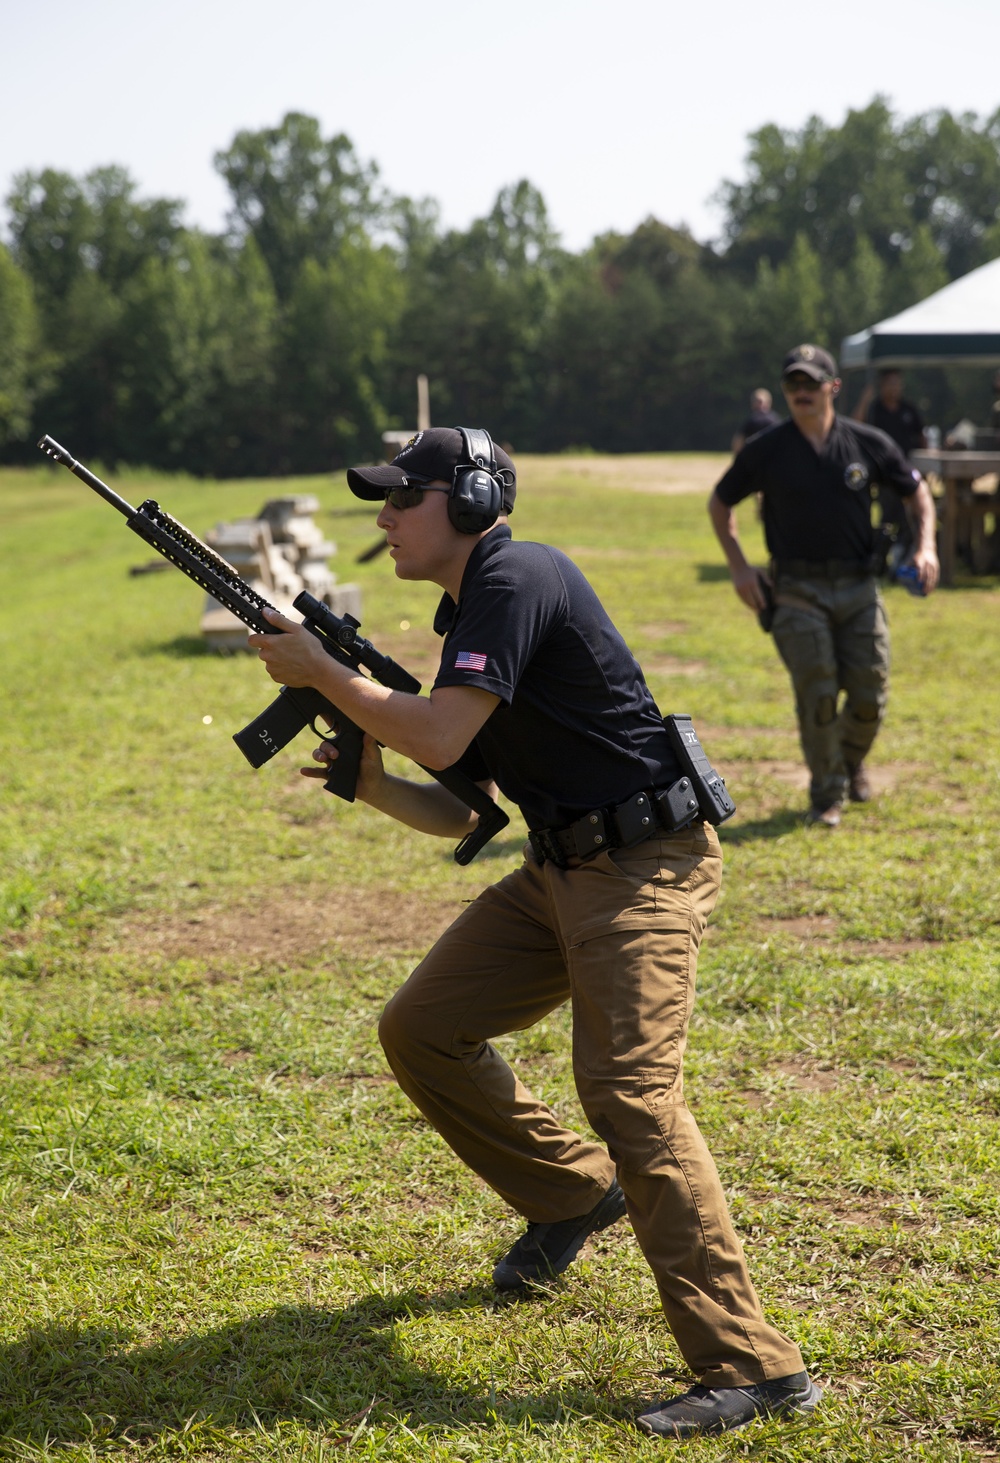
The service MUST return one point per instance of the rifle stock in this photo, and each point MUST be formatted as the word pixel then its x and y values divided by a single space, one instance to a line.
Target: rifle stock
pixel 295 707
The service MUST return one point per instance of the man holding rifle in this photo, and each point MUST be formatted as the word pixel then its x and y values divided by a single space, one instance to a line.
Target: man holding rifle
pixel 537 694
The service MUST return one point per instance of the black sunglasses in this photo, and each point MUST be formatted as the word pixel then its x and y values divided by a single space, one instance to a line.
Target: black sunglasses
pixel 409 495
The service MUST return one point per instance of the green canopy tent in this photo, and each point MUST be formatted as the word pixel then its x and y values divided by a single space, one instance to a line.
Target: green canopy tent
pixel 958 325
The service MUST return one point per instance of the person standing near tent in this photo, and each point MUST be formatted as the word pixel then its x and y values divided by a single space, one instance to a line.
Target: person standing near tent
pixel 816 473
pixel 995 410
pixel 888 410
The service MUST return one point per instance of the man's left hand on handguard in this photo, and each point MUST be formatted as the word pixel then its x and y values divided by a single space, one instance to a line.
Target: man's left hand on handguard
pixel 293 658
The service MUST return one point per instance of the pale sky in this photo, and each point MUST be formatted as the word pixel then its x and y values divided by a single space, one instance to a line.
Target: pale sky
pixel 614 110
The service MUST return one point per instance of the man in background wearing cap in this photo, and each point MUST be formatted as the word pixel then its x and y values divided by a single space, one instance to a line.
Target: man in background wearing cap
pixel 538 694
pixel 816 473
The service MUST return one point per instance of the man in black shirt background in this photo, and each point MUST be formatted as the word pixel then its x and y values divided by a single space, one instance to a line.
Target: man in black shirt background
pixel 761 417
pixel 816 474
pixel 890 412
pixel 995 411
pixel 901 421
pixel 537 693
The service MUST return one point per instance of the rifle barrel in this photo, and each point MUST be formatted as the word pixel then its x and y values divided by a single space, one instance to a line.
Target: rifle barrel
pixel 55 450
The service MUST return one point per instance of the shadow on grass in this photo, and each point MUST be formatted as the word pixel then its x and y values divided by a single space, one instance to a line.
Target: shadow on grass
pixel 776 825
pixel 185 646
pixel 327 1369
pixel 712 573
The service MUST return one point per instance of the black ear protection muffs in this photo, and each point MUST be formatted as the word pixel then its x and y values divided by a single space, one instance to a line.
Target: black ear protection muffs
pixel 476 498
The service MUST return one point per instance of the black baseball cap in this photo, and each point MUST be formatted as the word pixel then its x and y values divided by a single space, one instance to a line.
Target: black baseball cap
pixel 429 456
pixel 811 360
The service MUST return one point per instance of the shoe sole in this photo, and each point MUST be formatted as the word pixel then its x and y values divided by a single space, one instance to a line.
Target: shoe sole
pixel 800 1407
pixel 505 1277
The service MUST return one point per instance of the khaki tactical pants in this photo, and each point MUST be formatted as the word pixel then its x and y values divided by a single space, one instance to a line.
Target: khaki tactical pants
pixel 833 636
pixel 618 936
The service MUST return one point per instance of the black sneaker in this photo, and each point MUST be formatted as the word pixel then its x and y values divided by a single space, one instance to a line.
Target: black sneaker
pixel 545 1250
pixel 706 1410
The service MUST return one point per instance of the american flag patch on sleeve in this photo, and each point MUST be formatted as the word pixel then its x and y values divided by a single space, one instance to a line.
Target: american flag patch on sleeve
pixel 470 660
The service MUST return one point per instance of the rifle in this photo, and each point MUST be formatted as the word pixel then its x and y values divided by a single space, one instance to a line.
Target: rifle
pixel 294 707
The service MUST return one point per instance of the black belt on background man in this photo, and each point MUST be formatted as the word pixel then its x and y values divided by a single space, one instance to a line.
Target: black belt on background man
pixel 639 817
pixel 826 568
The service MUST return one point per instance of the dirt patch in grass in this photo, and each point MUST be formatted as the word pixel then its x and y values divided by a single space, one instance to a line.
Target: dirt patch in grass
pixel 888 949
pixel 234 1058
pixel 798 1075
pixel 669 665
pixel 882 778
pixel 868 1211
pixel 37 1071
pixel 289 930
pixel 824 927
pixel 664 627
pixel 808 1078
pixel 752 775
pixel 804 1074
pixel 794 774
pixel 657 473
pixel 804 926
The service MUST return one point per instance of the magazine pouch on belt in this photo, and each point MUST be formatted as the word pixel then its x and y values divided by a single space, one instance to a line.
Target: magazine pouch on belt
pixel 714 801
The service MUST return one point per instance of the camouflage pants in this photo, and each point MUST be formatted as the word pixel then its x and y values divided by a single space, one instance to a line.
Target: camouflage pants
pixel 833 636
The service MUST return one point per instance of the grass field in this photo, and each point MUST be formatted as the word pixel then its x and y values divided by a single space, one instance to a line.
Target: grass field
pixel 227 1235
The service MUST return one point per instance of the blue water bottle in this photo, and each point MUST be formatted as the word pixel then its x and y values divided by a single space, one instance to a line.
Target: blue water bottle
pixel 907 575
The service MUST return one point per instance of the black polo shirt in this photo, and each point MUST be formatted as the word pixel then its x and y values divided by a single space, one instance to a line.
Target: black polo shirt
pixel 902 423
pixel 757 422
pixel 576 727
pixel 817 505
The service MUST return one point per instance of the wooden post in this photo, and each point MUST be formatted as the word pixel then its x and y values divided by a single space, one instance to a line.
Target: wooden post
pixel 392 441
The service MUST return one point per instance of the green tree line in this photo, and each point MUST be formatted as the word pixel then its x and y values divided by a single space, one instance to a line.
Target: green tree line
pixel 289 342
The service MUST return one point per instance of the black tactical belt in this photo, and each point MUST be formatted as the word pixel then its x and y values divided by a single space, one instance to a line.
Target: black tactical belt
pixel 639 817
pixel 826 568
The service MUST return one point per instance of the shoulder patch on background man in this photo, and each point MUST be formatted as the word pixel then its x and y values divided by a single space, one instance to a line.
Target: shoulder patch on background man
pixel 470 660
pixel 856 475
